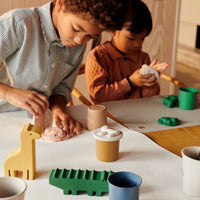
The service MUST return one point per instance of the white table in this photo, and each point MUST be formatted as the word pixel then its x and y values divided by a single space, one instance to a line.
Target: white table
pixel 142 114
pixel 161 171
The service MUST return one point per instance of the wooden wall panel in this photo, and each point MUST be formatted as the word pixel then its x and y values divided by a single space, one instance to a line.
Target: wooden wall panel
pixel 6 5
pixel 162 42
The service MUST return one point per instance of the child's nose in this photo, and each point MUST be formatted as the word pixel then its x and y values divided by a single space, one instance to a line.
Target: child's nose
pixel 79 39
pixel 138 45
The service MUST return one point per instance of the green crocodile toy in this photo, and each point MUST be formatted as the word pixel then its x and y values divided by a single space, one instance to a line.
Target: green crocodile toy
pixel 74 181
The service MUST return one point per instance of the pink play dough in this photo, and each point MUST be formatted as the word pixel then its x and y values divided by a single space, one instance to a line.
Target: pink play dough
pixel 51 132
pixel 54 134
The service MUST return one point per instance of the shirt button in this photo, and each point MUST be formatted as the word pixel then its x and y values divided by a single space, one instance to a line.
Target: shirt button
pixel 125 58
pixel 45 86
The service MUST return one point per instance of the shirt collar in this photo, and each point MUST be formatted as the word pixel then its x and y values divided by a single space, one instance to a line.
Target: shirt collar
pixel 48 29
pixel 115 54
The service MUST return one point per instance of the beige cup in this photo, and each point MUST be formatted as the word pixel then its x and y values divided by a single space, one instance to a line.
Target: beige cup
pixel 96 117
pixel 107 143
pixel 12 188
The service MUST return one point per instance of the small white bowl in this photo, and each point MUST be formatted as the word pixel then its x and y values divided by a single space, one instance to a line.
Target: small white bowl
pixel 12 188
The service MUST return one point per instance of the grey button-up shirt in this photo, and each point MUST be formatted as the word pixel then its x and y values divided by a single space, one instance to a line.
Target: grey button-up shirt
pixel 32 56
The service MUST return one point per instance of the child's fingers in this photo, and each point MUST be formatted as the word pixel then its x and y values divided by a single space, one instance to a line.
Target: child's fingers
pixel 37 104
pixel 147 76
pixel 149 84
pixel 161 67
pixel 42 100
pixel 153 62
pixel 34 108
pixel 59 124
pixel 75 127
pixel 31 109
pixel 79 128
pixel 70 125
pixel 150 81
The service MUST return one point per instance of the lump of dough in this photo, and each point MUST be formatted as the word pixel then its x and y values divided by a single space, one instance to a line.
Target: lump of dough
pixel 149 70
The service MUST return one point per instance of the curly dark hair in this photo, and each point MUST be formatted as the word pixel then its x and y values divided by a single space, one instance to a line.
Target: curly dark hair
pixel 108 13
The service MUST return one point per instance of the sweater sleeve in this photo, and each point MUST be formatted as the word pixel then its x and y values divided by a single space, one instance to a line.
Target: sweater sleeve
pixel 97 77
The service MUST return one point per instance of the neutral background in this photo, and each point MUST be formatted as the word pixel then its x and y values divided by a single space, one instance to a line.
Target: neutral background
pixel 189 19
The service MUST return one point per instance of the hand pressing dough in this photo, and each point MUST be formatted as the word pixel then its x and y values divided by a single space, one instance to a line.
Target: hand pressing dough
pixel 51 132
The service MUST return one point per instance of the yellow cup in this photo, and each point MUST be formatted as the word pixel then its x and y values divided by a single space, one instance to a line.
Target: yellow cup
pixel 107 143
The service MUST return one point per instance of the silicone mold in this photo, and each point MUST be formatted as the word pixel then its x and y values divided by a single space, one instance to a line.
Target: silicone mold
pixel 74 181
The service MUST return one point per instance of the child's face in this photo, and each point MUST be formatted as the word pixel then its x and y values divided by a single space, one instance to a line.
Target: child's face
pixel 127 42
pixel 72 29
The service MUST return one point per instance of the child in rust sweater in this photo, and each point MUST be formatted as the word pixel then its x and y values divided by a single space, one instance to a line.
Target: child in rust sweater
pixel 112 69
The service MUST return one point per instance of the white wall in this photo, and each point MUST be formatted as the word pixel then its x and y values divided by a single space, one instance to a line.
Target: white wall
pixel 189 19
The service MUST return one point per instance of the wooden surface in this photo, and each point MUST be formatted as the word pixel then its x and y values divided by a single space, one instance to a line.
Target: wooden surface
pixel 176 139
pixel 145 112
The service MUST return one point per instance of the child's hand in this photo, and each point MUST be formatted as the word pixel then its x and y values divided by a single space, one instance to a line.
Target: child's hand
pixel 140 80
pixel 31 101
pixel 66 122
pixel 160 67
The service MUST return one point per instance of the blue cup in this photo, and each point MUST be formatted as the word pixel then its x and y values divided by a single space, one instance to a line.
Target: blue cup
pixel 124 186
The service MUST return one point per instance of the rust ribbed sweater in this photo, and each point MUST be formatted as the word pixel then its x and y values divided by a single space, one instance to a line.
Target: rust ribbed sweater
pixel 106 71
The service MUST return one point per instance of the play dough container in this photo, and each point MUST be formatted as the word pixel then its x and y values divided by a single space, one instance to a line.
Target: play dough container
pixel 107 143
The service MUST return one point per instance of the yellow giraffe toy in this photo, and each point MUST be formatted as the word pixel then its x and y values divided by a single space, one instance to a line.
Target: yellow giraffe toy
pixel 23 158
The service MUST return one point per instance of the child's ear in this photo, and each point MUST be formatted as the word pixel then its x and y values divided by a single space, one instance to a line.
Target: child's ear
pixel 59 5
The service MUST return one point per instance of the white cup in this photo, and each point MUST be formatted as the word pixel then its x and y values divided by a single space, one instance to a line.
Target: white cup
pixel 191 170
pixel 12 188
